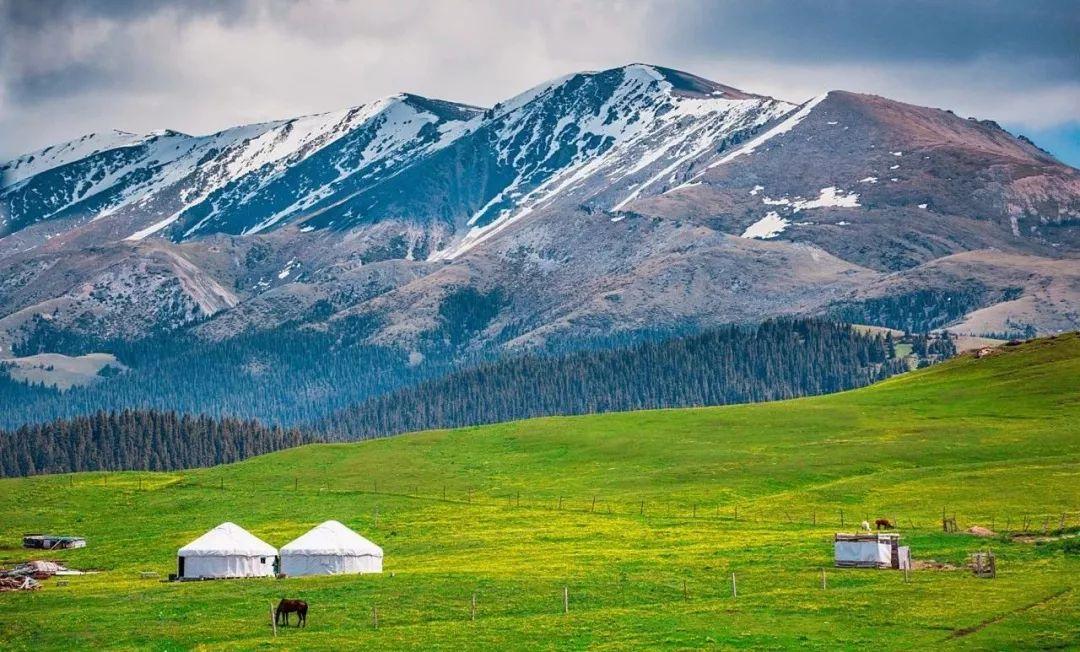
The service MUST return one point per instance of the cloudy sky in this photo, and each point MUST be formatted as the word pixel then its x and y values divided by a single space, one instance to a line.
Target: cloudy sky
pixel 70 67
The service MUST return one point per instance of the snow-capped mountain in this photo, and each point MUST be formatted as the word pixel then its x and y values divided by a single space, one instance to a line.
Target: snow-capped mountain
pixel 587 136
pixel 631 198
pixel 241 180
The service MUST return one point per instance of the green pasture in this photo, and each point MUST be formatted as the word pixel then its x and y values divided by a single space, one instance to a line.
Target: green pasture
pixel 642 517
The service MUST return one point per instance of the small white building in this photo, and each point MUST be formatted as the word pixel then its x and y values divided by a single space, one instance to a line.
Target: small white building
pixel 871 550
pixel 330 548
pixel 226 551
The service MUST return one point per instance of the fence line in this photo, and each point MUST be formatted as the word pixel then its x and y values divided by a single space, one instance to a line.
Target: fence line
pixel 596 505
pixel 724 586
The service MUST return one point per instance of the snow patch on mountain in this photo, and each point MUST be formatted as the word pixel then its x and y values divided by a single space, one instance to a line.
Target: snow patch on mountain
pixel 783 127
pixel 767 227
pixel 828 197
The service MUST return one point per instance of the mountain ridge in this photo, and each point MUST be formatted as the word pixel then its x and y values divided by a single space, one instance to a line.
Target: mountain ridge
pixel 634 197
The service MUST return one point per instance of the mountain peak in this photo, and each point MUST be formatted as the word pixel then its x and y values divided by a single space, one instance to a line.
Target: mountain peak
pixel 444 109
pixel 682 83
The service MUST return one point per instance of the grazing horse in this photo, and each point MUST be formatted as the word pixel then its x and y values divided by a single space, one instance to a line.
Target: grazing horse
pixel 286 607
pixel 865 527
pixel 884 524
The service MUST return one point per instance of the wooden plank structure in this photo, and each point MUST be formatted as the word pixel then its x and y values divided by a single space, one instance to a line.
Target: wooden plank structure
pixel 984 565
pixel 52 541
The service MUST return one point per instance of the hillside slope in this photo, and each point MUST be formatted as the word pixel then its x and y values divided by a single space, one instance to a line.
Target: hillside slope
pixel 643 516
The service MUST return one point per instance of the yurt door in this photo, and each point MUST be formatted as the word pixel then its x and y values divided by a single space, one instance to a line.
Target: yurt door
pixel 180 567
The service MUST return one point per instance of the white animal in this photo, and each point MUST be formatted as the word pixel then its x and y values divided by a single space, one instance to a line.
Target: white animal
pixel 864 526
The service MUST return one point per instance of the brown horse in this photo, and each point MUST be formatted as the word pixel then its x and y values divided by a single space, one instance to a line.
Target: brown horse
pixel 884 524
pixel 286 607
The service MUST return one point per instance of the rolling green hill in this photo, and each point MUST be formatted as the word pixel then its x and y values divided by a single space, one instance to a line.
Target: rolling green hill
pixel 644 516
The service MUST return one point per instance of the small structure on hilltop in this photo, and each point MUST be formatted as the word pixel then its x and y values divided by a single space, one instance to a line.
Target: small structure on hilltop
pixel 52 541
pixel 330 548
pixel 871 550
pixel 226 551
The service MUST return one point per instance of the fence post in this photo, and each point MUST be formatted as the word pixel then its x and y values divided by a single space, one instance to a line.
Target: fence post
pixel 473 610
pixel 374 616
pixel 641 512
pixel 593 504
pixel 734 588
pixel 823 578
pixel 273 621
pixel 1061 524
pixel 566 599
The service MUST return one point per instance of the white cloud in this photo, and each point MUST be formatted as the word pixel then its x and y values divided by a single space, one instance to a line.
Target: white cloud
pixel 203 71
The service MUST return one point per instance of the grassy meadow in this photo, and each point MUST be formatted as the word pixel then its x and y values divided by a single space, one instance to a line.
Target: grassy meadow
pixel 642 516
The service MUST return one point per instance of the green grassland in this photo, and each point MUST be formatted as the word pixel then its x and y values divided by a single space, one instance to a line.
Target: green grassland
pixel 644 516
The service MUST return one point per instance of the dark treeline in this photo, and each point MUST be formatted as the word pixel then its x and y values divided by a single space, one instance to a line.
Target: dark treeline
pixel 735 364
pixel 283 377
pixel 288 376
pixel 137 440
pixel 921 311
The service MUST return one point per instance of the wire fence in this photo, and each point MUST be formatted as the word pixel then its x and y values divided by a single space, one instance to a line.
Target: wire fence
pixel 749 513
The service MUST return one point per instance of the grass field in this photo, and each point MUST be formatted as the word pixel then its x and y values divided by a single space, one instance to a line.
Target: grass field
pixel 643 516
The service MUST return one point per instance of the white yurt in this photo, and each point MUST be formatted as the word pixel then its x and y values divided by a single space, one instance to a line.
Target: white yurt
pixel 226 551
pixel 330 548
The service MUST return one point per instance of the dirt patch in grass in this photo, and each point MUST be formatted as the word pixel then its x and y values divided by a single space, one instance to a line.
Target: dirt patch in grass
pixel 931 564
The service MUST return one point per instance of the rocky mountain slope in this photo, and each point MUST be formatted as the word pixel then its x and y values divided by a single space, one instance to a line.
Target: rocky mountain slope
pixel 628 199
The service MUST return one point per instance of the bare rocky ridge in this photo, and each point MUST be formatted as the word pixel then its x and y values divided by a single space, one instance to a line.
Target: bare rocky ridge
pixel 635 198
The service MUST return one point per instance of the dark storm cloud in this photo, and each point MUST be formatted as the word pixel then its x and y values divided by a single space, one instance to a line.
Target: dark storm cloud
pixel 34 31
pixel 911 30
pixel 68 66
pixel 35 14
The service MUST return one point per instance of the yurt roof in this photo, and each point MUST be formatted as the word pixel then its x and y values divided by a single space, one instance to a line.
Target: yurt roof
pixel 331 538
pixel 228 539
